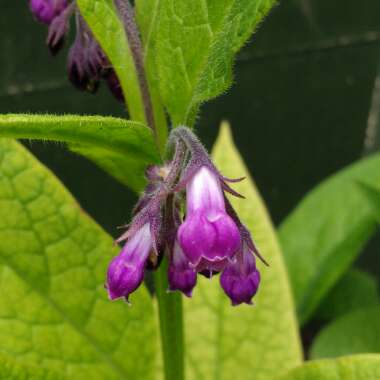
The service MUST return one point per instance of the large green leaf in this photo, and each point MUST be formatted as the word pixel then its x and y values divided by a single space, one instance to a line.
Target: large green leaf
pixel 355 290
pixel 121 147
pixel 327 230
pixel 353 333
pixel 195 45
pixel 54 310
pixel 109 31
pixel 357 367
pixel 13 370
pixel 225 342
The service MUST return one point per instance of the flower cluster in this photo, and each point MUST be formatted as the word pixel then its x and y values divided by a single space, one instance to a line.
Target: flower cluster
pixel 87 64
pixel 209 239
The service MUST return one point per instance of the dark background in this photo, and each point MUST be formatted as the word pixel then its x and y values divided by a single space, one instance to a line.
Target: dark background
pixel 304 104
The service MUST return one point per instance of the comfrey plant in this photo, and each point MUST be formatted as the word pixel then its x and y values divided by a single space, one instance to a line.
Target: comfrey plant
pixel 163 59
pixel 211 239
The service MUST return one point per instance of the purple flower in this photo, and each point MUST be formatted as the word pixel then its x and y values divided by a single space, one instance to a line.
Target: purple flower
pixel 180 275
pixel 86 60
pixel 58 28
pixel 87 63
pixel 210 240
pixel 208 237
pixel 240 280
pixel 46 10
pixel 126 271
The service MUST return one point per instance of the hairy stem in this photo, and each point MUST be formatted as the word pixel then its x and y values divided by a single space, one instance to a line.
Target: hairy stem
pixel 171 326
pixel 169 305
pixel 127 14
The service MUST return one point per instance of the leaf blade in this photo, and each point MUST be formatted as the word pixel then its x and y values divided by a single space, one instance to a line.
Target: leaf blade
pixel 195 45
pixel 53 259
pixel 121 147
pixel 327 230
pixel 353 333
pixel 355 290
pixel 12 370
pixel 356 367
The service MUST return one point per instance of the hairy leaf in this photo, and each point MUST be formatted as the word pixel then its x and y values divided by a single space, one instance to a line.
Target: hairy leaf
pixel 327 230
pixel 121 147
pixel 54 310
pixel 196 42
pixel 355 290
pixel 357 367
pixel 108 29
pixel 244 342
pixel 353 333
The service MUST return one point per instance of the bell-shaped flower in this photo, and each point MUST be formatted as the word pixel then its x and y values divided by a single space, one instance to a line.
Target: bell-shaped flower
pixel 84 63
pixel 46 10
pixel 209 237
pixel 181 275
pixel 58 29
pixel 126 271
pixel 240 279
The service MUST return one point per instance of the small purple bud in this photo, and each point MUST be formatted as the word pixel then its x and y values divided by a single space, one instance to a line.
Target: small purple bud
pixel 46 10
pixel 114 85
pixel 181 276
pixel 209 237
pixel 126 271
pixel 82 70
pixel 58 29
pixel 240 280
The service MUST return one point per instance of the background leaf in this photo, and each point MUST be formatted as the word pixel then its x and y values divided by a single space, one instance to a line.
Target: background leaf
pixel 12 370
pixel 357 367
pixel 224 342
pixel 355 290
pixel 121 147
pixel 355 332
pixel 108 29
pixel 195 45
pixel 54 310
pixel 327 230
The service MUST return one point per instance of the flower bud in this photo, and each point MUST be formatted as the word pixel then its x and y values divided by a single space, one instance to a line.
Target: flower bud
pixel 209 237
pixel 58 29
pixel 46 10
pixel 180 275
pixel 240 280
pixel 126 271
pixel 83 65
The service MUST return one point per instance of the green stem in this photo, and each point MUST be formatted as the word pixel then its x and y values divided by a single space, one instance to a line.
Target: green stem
pixel 171 326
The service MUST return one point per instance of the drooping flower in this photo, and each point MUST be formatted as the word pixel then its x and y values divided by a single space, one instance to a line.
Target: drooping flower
pixel 87 64
pixel 126 271
pixel 46 10
pixel 240 279
pixel 181 275
pixel 209 237
pixel 86 60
